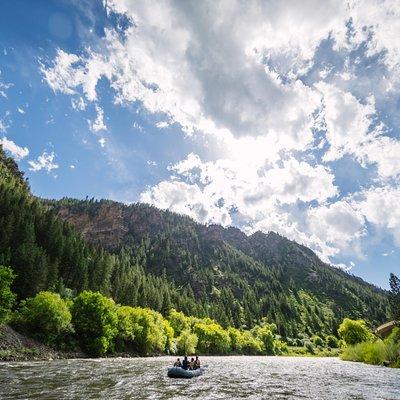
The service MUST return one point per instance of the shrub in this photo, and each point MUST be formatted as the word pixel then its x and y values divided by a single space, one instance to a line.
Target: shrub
pixel 368 352
pixel 317 340
pixel 354 331
pixel 265 332
pixel 45 316
pixel 7 297
pixel 309 346
pixel 331 341
pixel 280 347
pixel 394 336
pixel 95 319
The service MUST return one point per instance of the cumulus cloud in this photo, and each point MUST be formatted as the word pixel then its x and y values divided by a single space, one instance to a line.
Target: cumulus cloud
pixel 44 162
pixel 381 207
pixel 16 151
pixel 351 129
pixel 338 225
pixel 211 191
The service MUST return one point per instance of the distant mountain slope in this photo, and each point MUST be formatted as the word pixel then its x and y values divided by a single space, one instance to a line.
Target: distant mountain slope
pixel 243 277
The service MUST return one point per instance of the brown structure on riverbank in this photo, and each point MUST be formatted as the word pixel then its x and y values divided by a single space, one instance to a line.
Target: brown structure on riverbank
pixel 385 330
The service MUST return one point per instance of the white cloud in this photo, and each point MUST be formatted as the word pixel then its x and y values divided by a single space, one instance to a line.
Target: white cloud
pixel 350 129
pixel 186 199
pixel 162 125
pixel 3 88
pixel 339 225
pixel 381 207
pixel 78 104
pixel 102 142
pixel 3 126
pixel 44 161
pixel 20 110
pixel 17 152
pixel 98 124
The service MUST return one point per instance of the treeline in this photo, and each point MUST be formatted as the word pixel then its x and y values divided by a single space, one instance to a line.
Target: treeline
pixel 99 326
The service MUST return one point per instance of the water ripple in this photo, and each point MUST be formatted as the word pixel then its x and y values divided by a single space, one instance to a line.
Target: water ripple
pixel 227 378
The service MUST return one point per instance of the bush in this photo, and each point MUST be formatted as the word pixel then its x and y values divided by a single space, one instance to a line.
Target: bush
pixel 369 352
pixel 394 336
pixel 95 319
pixel 7 297
pixel 317 340
pixel 186 342
pixel 280 347
pixel 331 341
pixel 265 332
pixel 354 331
pixel 309 346
pixel 46 316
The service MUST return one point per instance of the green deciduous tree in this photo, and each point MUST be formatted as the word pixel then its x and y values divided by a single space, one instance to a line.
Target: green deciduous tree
pixel 186 342
pixel 212 337
pixel 46 316
pixel 144 330
pixel 265 332
pixel 179 321
pixel 95 320
pixel 354 331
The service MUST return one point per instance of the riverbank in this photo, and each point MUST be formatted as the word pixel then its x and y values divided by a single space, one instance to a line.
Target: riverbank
pixel 15 346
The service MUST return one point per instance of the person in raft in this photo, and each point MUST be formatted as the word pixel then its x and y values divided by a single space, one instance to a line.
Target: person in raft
pixel 178 363
pixel 185 363
pixel 197 363
pixel 191 364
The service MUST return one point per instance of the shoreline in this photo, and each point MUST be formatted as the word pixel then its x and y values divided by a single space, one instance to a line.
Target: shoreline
pixel 15 346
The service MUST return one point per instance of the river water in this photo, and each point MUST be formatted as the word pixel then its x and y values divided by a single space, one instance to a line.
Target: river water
pixel 226 378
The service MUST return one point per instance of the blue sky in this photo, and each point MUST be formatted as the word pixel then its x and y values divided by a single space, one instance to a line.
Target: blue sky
pixel 267 115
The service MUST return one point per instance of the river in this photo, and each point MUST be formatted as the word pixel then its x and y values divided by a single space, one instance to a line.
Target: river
pixel 226 378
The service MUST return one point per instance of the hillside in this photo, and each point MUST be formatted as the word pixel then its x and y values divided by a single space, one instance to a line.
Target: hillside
pixel 144 256
pixel 243 277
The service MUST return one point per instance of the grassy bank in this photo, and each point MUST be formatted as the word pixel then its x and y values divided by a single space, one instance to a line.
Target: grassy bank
pixel 376 352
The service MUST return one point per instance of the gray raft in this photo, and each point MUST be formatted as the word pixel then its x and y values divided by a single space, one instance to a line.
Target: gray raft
pixel 178 372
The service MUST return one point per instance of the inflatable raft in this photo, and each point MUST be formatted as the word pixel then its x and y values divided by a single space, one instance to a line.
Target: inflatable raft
pixel 178 372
